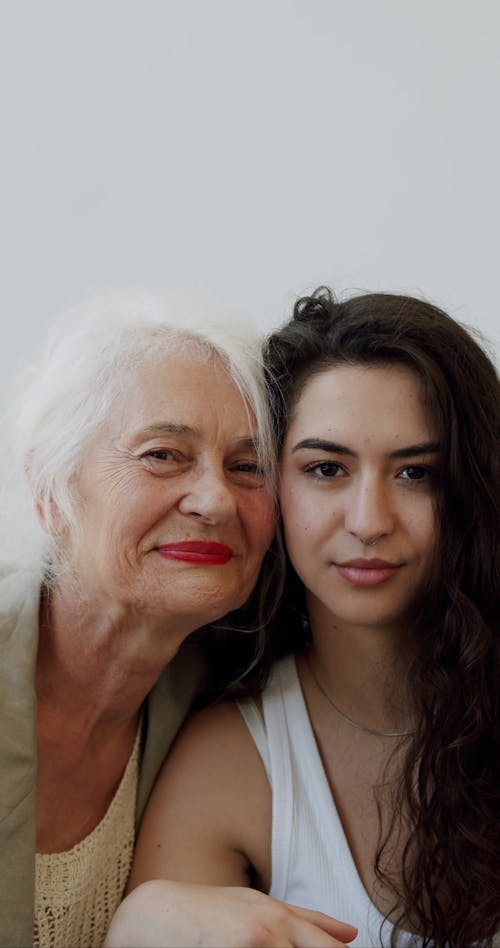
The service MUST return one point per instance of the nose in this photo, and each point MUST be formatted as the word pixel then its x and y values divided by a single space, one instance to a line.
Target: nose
pixel 369 514
pixel 209 495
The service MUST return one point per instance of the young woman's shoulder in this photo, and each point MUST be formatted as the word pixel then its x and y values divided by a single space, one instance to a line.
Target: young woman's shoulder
pixel 209 816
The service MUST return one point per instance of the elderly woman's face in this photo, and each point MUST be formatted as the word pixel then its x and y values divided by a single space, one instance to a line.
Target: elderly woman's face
pixel 176 514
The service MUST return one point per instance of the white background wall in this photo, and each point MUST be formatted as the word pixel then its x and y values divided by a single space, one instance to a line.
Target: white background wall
pixel 251 147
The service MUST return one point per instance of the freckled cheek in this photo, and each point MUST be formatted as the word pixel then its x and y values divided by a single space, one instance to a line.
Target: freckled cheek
pixel 301 516
pixel 297 534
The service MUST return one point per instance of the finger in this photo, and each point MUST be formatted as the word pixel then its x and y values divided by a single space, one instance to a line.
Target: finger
pixel 304 934
pixel 343 931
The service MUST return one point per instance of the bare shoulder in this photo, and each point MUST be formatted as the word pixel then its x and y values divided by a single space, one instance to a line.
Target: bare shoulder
pixel 215 729
pixel 214 743
pixel 209 816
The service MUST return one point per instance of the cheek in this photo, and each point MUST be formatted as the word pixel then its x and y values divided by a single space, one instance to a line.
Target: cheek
pixel 116 531
pixel 291 504
pixel 429 542
pixel 261 517
pixel 427 529
pixel 303 517
pixel 140 509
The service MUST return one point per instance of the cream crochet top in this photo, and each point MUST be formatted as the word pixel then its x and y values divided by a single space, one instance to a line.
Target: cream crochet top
pixel 77 892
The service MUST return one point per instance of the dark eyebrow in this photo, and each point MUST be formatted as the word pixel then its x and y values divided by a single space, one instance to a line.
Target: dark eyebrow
pixel 331 447
pixel 317 444
pixel 414 450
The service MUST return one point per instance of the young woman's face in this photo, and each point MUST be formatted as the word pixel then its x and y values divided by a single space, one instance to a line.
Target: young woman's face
pixel 357 484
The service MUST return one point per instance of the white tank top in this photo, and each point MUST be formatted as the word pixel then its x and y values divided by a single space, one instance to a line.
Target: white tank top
pixel 312 865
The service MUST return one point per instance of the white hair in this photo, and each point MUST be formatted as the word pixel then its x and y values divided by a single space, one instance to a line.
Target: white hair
pixel 59 403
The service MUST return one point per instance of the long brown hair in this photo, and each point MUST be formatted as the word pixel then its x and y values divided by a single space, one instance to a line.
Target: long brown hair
pixel 450 782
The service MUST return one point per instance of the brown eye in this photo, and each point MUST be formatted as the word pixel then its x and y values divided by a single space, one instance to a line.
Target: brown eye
pixel 415 472
pixel 160 455
pixel 248 472
pixel 248 467
pixel 324 470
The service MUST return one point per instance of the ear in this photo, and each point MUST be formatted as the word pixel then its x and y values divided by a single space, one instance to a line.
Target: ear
pixel 49 516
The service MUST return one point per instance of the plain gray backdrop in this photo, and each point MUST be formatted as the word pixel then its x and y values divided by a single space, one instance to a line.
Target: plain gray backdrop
pixel 253 148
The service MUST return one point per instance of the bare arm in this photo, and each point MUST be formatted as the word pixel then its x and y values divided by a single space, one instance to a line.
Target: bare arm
pixel 209 821
pixel 209 817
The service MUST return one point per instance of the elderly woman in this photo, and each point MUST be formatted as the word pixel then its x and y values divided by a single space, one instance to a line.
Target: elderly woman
pixel 144 439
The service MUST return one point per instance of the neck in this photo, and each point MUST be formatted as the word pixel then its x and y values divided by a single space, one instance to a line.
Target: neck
pixel 98 665
pixel 363 669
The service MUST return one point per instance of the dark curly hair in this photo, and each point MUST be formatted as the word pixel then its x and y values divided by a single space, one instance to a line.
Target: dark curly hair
pixel 450 782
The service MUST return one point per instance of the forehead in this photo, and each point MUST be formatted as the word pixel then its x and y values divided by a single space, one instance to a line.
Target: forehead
pixel 362 399
pixel 189 387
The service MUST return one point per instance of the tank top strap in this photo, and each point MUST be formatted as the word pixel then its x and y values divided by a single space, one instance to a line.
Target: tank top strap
pixel 282 779
pixel 255 724
pixel 269 731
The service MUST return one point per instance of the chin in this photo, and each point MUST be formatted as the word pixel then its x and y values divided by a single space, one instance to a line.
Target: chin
pixel 204 609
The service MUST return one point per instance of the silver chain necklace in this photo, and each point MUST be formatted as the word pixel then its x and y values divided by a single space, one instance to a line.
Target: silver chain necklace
pixel 346 718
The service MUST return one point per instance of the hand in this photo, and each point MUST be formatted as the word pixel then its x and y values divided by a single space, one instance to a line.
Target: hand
pixel 161 914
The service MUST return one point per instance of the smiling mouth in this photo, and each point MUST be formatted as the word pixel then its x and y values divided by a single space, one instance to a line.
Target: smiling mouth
pixel 197 552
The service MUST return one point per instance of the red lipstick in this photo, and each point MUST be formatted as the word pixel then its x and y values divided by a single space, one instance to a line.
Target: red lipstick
pixel 198 552
pixel 365 572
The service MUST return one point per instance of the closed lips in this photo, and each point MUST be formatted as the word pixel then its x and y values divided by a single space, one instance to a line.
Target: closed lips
pixel 363 572
pixel 196 551
pixel 362 563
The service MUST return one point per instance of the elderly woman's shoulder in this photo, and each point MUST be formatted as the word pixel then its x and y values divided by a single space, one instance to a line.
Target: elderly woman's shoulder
pixel 19 597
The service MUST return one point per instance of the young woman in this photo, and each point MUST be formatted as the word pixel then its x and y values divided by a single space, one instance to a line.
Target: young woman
pixel 364 781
